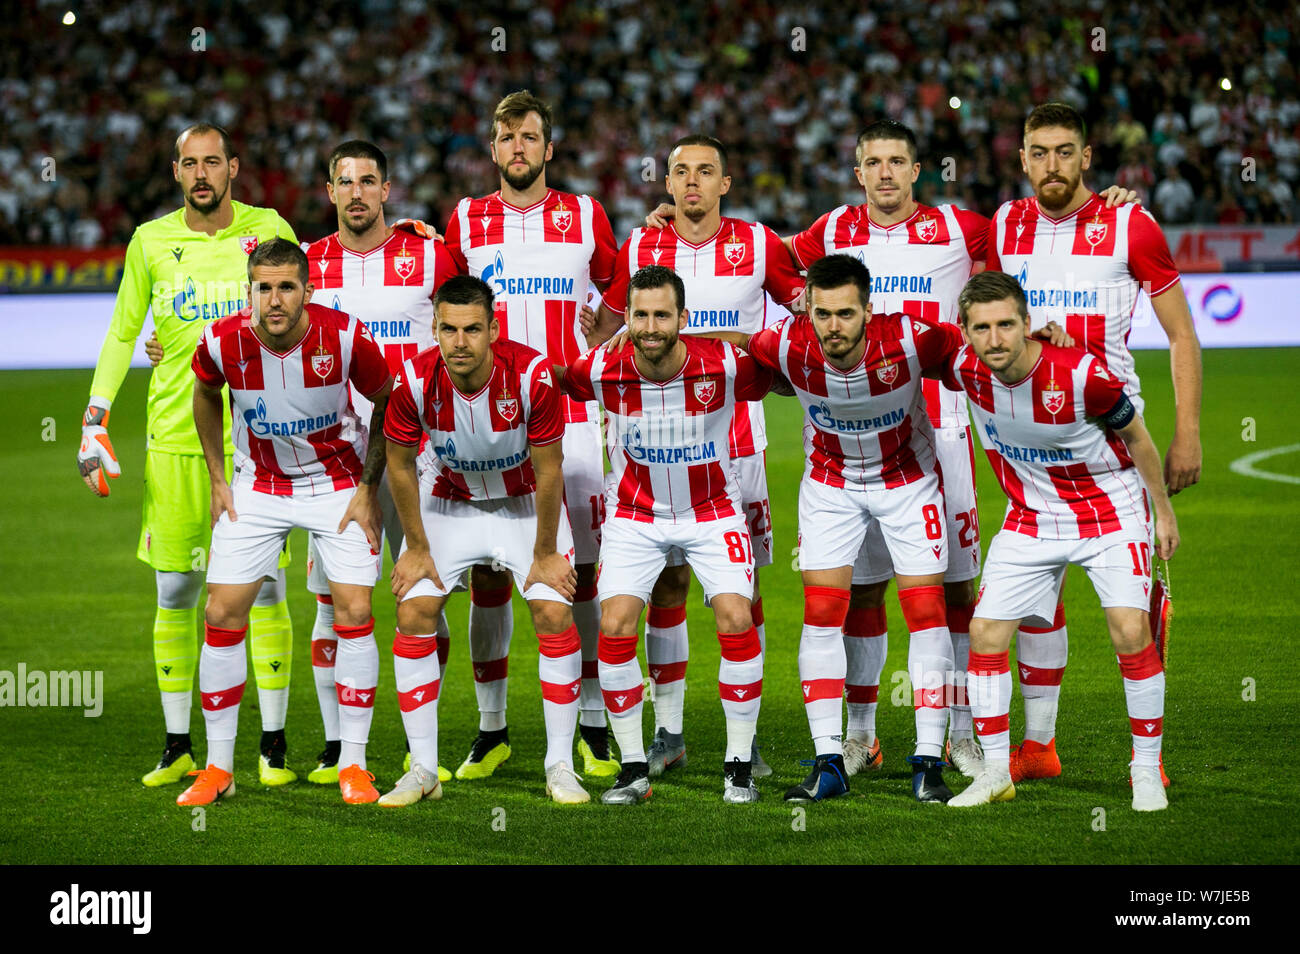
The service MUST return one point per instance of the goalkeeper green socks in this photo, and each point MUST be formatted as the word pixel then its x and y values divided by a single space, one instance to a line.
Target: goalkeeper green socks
pixel 175 654
pixel 271 641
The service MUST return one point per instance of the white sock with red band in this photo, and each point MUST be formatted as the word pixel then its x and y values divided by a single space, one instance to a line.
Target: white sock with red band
pixel 866 642
pixel 667 651
pixel 929 662
pixel 418 672
pixel 822 665
pixel 559 667
pixel 959 718
pixel 988 684
pixel 1144 691
pixel 740 685
pixel 1041 655
pixel 356 675
pixel 622 689
pixel 586 616
pixel 324 650
pixel 491 620
pixel 223 674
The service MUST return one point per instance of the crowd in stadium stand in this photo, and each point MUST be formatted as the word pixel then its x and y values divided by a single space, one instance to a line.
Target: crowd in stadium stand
pixel 786 86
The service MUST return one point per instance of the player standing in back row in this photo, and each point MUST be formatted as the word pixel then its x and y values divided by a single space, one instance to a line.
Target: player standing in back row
pixel 1083 265
pixel 540 250
pixel 729 267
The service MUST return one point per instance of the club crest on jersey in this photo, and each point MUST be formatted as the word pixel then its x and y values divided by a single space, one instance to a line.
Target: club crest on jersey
pixel 1094 232
pixel 561 217
pixel 507 406
pixel 927 229
pixel 705 391
pixel 1053 398
pixel 322 362
pixel 248 243
pixel 404 263
pixel 734 251
pixel 887 373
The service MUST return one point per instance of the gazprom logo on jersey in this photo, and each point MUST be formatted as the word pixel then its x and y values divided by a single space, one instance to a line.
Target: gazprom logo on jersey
pixel 825 418
pixel 1057 296
pixel 900 284
pixel 219 299
pixel 1029 455
pixel 1221 302
pixel 261 427
pixel 667 439
pixel 447 455
pixel 502 284
pixel 716 318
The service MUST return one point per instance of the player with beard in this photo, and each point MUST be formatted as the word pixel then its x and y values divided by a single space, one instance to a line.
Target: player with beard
pixel 539 249
pixel 188 268
pixel 1082 265
pixel 729 267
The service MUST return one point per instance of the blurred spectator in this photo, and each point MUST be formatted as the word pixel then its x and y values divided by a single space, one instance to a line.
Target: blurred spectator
pixel 1174 199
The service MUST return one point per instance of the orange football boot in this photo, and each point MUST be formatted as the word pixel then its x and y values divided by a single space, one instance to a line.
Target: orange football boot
pixel 356 785
pixel 212 783
pixel 1034 760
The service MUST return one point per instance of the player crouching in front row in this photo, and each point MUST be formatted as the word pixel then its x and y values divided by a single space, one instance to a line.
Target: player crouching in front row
pixel 298 463
pixel 490 491
pixel 1072 455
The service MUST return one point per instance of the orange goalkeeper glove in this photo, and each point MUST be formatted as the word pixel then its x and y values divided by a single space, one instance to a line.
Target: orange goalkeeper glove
pixel 96 457
pixel 417 227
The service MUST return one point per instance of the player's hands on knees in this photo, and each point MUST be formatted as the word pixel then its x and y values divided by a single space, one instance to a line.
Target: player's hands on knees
pixel 95 456
pixel 664 213
pixel 223 501
pixel 1118 195
pixel 363 509
pixel 617 342
pixel 415 564
pixel 154 350
pixel 1167 539
pixel 1055 334
pixel 1182 464
pixel 554 571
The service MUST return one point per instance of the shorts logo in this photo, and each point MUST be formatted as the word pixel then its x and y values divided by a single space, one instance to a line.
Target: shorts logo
pixel 404 263
pixel 1094 232
pixel 705 391
pixel 887 373
pixel 561 217
pixel 322 362
pixel 927 229
pixel 938 552
pixel 248 243
pixel 1053 399
pixel 507 406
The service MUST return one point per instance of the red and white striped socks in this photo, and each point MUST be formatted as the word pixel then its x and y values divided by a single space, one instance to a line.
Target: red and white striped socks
pixel 1144 691
pixel 667 651
pixel 929 663
pixel 1041 655
pixel 559 668
pixel 356 677
pixel 491 621
pixel 740 685
pixel 223 674
pixel 866 642
pixel 988 685
pixel 324 649
pixel 586 616
pixel 419 680
pixel 822 665
pixel 621 688
pixel 959 717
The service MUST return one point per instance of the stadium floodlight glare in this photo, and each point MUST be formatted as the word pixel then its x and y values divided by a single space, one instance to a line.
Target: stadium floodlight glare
pixel 1225 84
pixel 954 102
pixel 69 18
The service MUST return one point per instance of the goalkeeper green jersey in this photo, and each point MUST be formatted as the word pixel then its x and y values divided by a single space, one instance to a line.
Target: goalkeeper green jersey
pixel 187 279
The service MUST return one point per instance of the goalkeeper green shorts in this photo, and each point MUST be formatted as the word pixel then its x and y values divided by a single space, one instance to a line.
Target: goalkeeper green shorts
pixel 177 524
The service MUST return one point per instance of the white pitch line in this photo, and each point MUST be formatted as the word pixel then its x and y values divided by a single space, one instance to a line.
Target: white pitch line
pixel 1246 465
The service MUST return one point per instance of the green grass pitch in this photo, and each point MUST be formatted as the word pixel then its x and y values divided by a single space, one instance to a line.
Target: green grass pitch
pixel 74 597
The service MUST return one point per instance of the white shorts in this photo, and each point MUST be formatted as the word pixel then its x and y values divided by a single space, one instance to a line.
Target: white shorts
pixel 955 452
pixel 1023 574
pixel 634 553
pixel 584 486
pixel 249 548
pixel 316 581
pixel 500 532
pixel 833 523
pixel 751 477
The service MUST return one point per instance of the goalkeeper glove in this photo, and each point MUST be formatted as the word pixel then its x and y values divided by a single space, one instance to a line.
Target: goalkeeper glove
pixel 96 457
pixel 418 228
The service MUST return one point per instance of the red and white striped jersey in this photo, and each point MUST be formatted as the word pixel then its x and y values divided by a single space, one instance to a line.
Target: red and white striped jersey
pixel 1065 474
pixel 727 278
pixel 540 262
pixel 869 426
pixel 668 440
pixel 918 267
pixel 293 426
pixel 389 289
pixel 1084 271
pixel 478 446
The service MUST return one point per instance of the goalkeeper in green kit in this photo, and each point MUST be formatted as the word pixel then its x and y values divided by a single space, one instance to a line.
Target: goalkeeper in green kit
pixel 190 268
